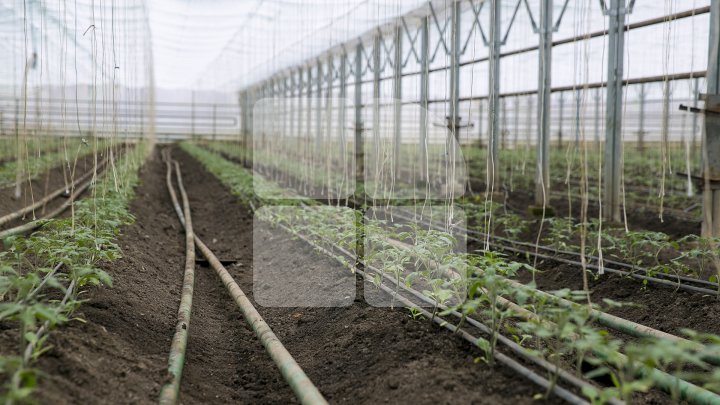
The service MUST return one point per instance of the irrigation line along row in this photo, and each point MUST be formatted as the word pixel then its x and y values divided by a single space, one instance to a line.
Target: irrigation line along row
pixel 665 381
pixel 170 391
pixel 614 322
pixel 31 226
pixel 517 349
pixel 665 280
pixel 617 323
pixel 660 279
pixel 689 391
pixel 299 382
pixel 507 361
pixel 55 194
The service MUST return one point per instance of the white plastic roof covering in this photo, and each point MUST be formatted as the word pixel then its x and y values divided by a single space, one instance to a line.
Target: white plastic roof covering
pixel 228 44
pixel 216 44
pixel 74 41
pixel 225 45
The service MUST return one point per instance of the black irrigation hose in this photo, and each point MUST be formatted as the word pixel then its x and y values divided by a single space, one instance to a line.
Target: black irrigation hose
pixel 55 194
pixel 609 261
pixel 507 361
pixel 31 226
pixel 688 390
pixel 663 281
pixel 665 381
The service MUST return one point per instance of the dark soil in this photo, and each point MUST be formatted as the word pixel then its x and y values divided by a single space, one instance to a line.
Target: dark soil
pixel 354 354
pixel 659 307
pixel 639 217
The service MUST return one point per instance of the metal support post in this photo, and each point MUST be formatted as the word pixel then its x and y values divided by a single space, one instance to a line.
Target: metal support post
pixel 341 111
pixel 454 117
pixel 495 42
pixel 613 129
pixel 300 107
pixel 696 95
pixel 561 119
pixel 424 95
pixel 542 176
pixel 359 146
pixel 376 102
pixel 291 118
pixel 328 102
pixel 308 108
pixel 642 99
pixel 318 110
pixel 711 155
pixel 516 129
pixel 397 100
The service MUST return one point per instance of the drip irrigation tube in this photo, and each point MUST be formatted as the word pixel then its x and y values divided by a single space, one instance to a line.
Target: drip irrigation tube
pixel 170 391
pixel 305 391
pixel 55 194
pixel 620 324
pixel 623 325
pixel 31 226
pixel 522 370
pixel 668 383
pixel 665 381
pixel 665 280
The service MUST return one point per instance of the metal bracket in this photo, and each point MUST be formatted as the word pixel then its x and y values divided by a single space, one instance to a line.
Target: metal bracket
pixel 476 21
pixel 503 41
pixel 712 105
pixel 556 26
pixel 441 33
pixel 699 181
pixel 453 125
pixel 388 51
pixel 360 128
pixel 625 10
pixel 512 21
pixel 534 25
pixel 413 41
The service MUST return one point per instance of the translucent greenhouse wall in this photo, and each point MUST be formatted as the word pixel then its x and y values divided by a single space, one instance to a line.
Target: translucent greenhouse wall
pixel 617 73
pixel 77 69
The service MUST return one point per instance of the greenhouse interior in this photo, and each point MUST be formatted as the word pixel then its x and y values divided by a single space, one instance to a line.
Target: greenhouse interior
pixel 360 202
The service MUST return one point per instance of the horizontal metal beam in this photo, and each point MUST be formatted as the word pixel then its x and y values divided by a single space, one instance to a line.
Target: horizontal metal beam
pixel 628 27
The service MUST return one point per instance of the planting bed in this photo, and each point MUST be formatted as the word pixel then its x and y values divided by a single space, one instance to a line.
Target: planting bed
pixel 116 346
pixel 357 354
